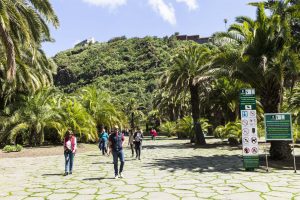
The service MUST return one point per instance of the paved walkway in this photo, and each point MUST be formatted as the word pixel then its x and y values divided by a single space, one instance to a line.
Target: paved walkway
pixel 172 170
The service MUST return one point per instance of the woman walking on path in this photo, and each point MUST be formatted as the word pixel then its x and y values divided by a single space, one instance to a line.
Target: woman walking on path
pixel 70 146
pixel 103 137
pixel 116 142
pixel 138 137
pixel 153 133
pixel 130 142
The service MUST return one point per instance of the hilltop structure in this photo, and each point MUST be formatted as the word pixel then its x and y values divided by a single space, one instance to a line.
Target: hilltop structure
pixel 86 42
pixel 195 38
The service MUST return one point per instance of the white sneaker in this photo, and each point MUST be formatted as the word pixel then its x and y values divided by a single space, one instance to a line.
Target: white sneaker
pixel 121 175
pixel 116 177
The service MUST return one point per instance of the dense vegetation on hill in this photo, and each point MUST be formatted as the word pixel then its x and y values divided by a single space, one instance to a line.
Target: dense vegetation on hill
pixel 128 68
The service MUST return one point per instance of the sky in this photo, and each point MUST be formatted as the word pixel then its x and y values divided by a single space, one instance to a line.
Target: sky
pixel 106 19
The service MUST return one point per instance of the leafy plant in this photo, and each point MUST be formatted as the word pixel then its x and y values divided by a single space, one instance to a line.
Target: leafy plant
pixel 185 127
pixel 168 128
pixel 12 148
pixel 232 130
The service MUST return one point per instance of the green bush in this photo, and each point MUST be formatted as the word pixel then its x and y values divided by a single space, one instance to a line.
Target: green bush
pixel 231 131
pixel 185 127
pixel 296 132
pixel 12 148
pixel 168 128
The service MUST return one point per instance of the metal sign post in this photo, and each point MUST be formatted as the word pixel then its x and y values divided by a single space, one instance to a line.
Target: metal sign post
pixel 295 167
pixel 278 127
pixel 267 164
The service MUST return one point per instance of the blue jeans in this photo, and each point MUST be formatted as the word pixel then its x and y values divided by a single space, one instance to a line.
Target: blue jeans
pixel 103 147
pixel 120 155
pixel 69 158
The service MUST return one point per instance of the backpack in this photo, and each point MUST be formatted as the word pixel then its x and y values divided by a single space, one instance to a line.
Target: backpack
pixel 138 137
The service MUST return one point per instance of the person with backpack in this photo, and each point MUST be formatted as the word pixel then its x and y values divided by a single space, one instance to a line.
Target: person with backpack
pixel 103 137
pixel 138 137
pixel 116 141
pixel 70 146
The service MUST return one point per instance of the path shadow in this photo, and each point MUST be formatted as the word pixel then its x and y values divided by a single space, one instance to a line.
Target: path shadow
pixel 191 146
pixel 52 174
pixel 216 163
pixel 95 179
pixel 280 164
pixel 94 155
pixel 98 163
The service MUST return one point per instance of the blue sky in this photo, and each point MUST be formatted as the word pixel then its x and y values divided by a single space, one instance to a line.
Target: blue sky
pixel 105 19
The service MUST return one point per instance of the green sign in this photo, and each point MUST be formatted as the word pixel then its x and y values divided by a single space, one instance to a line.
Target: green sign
pixel 247 99
pixel 278 126
pixel 251 162
pixel 249 129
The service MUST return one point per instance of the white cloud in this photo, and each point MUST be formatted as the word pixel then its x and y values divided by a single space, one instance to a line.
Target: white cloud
pixel 107 3
pixel 165 10
pixel 192 4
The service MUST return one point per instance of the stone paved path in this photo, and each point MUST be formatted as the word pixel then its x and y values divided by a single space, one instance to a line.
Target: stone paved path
pixel 171 171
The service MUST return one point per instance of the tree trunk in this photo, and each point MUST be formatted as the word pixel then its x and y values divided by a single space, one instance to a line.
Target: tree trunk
pixel 270 99
pixel 196 114
pixel 132 121
pixel 41 137
pixel 10 53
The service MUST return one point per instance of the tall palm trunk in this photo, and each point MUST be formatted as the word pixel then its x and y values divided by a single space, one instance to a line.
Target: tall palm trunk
pixel 11 56
pixel 196 114
pixel 270 99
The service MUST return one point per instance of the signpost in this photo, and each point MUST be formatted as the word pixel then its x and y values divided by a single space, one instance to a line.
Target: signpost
pixel 278 127
pixel 249 128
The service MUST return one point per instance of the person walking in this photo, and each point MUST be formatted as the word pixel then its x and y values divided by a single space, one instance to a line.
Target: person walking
pixel 130 142
pixel 138 137
pixel 70 146
pixel 103 137
pixel 116 141
pixel 153 133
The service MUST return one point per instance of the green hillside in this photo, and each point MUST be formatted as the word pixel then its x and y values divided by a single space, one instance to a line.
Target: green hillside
pixel 126 67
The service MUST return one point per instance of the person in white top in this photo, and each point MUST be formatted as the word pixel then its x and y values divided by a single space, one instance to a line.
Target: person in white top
pixel 70 146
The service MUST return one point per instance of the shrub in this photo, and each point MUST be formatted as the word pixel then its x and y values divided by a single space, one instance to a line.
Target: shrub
pixel 12 148
pixel 232 131
pixel 169 128
pixel 296 132
pixel 185 127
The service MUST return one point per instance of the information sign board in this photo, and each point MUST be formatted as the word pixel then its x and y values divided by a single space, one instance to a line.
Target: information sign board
pixel 278 126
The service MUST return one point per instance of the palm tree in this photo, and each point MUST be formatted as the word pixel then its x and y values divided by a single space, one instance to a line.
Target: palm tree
pixel 23 23
pixel 34 114
pixel 169 106
pixel 75 116
pixel 221 100
pixel 31 75
pixel 262 59
pixel 101 106
pixel 189 70
pixel 134 111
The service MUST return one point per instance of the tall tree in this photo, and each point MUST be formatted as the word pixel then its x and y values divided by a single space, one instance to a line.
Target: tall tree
pixel 23 23
pixel 263 59
pixel 189 70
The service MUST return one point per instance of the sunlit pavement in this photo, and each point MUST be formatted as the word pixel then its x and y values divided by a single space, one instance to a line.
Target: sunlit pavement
pixel 169 169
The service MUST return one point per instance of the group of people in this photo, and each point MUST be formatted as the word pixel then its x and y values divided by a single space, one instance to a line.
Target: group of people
pixel 108 144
